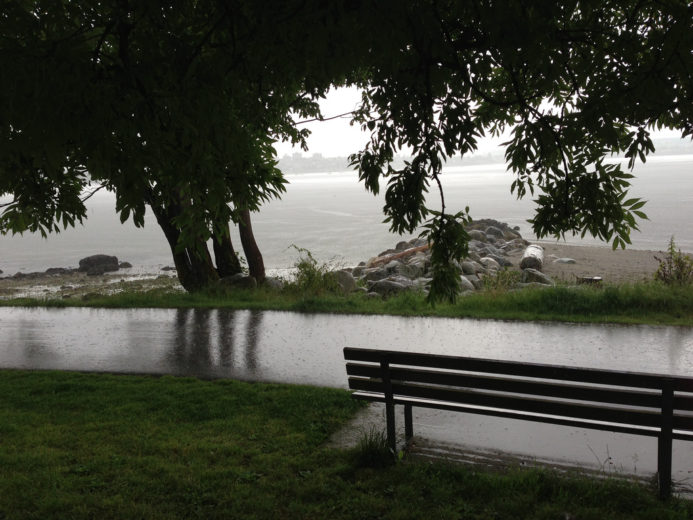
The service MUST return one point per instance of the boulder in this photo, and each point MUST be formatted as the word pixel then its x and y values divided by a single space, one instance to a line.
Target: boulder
pixel 238 281
pixel 374 273
pixel 387 287
pixel 489 263
pixel 564 261
pixel 468 267
pixel 530 275
pixel 502 261
pixel 476 234
pixel 98 264
pixel 58 270
pixel 345 280
pixel 168 268
pixel 532 258
pixel 476 281
pixel 125 265
pixel 494 231
pixel 276 284
pixel 465 284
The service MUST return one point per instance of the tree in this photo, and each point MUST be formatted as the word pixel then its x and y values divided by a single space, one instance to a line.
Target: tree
pixel 171 105
pixel 573 81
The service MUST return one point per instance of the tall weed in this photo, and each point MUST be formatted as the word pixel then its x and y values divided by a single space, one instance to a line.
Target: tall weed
pixel 675 268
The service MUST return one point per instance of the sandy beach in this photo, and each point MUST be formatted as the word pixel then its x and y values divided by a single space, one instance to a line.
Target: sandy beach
pixel 614 266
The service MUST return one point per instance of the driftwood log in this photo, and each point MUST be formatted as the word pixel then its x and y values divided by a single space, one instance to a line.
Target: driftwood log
pixel 396 256
pixel 533 258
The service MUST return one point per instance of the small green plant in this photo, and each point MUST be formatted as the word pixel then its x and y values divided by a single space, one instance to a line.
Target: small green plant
pixel 372 450
pixel 502 280
pixel 675 268
pixel 312 277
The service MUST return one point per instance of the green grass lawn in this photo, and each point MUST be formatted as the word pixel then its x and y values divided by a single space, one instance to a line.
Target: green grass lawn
pixel 643 303
pixel 103 446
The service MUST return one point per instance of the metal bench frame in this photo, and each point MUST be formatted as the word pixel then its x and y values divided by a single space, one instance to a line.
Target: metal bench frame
pixel 652 405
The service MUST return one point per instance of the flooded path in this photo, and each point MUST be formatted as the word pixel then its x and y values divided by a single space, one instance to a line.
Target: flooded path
pixel 307 349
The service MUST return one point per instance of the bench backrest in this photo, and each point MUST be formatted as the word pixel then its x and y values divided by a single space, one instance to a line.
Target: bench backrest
pixel 600 399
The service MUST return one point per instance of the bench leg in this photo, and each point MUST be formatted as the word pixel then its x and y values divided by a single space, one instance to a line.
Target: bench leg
pixel 665 441
pixel 390 417
pixel 408 424
pixel 664 446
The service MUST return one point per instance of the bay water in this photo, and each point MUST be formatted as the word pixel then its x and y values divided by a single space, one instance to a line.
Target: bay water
pixel 333 216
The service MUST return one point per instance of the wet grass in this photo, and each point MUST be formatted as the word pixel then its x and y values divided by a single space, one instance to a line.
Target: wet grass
pixel 643 303
pixel 102 446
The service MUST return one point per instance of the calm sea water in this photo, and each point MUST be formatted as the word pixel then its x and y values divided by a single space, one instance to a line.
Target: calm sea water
pixel 333 216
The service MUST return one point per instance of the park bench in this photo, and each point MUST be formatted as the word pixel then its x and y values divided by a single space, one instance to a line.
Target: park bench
pixel 634 403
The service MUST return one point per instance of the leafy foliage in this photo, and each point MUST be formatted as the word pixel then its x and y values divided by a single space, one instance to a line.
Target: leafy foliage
pixel 312 277
pixel 675 268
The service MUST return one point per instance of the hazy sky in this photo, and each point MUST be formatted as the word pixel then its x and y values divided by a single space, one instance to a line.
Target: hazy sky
pixel 337 138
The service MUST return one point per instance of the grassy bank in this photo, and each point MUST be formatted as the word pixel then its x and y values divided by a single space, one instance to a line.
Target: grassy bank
pixel 644 303
pixel 101 446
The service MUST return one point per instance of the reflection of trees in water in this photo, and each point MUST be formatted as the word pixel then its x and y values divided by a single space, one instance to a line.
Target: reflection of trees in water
pixel 205 342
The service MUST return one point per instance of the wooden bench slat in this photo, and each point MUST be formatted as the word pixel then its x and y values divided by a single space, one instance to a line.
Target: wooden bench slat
pixel 544 371
pixel 570 390
pixel 639 417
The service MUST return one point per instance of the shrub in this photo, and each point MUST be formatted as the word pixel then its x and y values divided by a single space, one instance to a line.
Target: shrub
pixel 312 277
pixel 675 268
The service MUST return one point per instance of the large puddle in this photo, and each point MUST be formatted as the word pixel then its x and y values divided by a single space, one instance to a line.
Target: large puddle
pixel 307 348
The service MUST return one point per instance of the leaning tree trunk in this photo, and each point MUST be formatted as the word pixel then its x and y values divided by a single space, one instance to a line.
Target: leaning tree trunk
pixel 224 254
pixel 193 264
pixel 256 266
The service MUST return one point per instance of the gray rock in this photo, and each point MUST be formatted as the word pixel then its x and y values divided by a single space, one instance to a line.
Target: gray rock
pixel 468 267
pixel 374 273
pixel 276 284
pixel 98 264
pixel 466 285
pixel 473 255
pixel 238 281
pixel 387 287
pixel 502 261
pixel 358 270
pixel 476 281
pixel 564 261
pixel 392 267
pixel 494 231
pixel 476 234
pixel 168 268
pixel 489 263
pixel 125 265
pixel 345 280
pixel 402 246
pixel 58 270
pixel 532 275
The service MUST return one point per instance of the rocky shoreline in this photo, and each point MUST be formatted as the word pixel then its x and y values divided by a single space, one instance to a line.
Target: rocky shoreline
pixel 494 246
pixel 495 256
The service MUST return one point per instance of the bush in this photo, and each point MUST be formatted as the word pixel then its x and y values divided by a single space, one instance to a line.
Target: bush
pixel 675 268
pixel 502 280
pixel 312 277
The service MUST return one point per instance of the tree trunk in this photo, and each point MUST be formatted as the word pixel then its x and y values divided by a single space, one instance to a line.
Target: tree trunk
pixel 256 266
pixel 193 265
pixel 224 254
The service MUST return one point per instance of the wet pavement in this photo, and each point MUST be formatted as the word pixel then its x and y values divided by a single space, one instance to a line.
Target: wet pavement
pixel 307 349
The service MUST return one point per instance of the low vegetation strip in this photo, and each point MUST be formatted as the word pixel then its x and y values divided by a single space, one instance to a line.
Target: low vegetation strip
pixel 85 446
pixel 643 303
